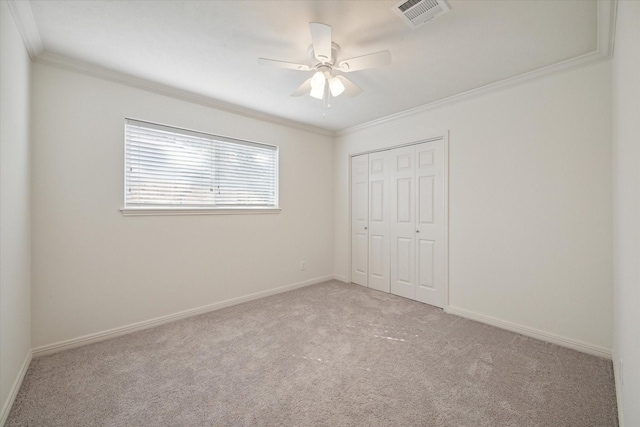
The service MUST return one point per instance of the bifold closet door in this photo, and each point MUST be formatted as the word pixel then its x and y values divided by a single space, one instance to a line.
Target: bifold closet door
pixel 430 223
pixel 417 222
pixel 398 221
pixel 403 229
pixel 360 219
pixel 379 220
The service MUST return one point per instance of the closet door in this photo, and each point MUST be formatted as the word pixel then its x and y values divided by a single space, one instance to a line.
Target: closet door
pixel 430 231
pixel 359 219
pixel 379 219
pixel 403 223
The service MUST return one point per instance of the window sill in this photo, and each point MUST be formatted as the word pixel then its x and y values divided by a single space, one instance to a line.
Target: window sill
pixel 197 211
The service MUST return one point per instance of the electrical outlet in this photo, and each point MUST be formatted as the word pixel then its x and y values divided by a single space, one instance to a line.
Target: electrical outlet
pixel 303 265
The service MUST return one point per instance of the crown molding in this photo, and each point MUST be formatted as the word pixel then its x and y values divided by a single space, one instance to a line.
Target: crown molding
pixel 512 81
pixel 607 10
pixel 605 41
pixel 69 64
pixel 23 16
pixel 26 23
pixel 21 11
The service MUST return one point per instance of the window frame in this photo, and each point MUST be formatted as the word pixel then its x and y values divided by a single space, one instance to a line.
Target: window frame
pixel 142 210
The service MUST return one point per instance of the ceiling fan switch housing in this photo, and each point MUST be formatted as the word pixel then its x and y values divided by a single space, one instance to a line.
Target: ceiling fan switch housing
pixel 335 50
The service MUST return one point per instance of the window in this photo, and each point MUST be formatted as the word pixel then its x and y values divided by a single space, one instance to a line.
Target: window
pixel 171 169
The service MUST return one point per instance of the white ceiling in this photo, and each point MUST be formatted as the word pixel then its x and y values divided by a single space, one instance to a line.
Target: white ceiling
pixel 211 48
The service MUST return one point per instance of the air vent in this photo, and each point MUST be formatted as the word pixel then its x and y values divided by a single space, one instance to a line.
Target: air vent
pixel 418 12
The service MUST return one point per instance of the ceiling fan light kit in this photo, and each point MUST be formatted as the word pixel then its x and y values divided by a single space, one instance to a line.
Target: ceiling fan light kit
pixel 318 82
pixel 323 53
pixel 336 86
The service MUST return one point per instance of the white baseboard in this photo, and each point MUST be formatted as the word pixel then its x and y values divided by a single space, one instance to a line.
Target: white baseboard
pixel 123 330
pixel 6 407
pixel 340 278
pixel 616 377
pixel 531 332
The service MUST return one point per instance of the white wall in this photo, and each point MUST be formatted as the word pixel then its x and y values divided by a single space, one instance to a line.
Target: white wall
pixel 15 227
pixel 530 228
pixel 94 269
pixel 626 151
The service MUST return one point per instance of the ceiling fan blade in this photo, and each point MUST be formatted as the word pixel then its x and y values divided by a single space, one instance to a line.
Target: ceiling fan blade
pixel 372 60
pixel 283 64
pixel 304 88
pixel 350 88
pixel 321 39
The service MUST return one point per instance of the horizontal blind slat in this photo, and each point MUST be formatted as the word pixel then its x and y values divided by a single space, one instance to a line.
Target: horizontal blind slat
pixel 166 166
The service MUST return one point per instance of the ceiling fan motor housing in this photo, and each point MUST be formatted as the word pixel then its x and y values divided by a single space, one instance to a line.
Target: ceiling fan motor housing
pixel 335 50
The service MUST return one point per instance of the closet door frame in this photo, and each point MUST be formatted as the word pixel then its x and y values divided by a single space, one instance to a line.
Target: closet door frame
pixel 444 136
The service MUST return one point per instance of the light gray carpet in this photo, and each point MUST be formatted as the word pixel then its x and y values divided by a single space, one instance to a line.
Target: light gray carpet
pixel 327 355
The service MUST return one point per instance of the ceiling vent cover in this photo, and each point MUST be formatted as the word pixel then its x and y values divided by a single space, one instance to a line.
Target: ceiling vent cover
pixel 418 12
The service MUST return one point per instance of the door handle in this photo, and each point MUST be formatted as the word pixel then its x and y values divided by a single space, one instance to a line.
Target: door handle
pixel 417 231
pixel 366 228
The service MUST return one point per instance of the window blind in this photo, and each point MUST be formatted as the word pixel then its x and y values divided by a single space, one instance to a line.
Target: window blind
pixel 170 167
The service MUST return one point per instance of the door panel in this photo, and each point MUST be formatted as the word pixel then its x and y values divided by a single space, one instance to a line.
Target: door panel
pixel 361 201
pixel 403 222
pixel 430 227
pixel 379 167
pixel 360 254
pixel 425 263
pixel 425 157
pixel 403 257
pixel 359 219
pixel 425 200
pixel 403 200
pixel 377 197
pixel 376 258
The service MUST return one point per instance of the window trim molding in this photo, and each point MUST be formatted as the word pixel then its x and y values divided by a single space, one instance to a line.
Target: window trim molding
pixel 199 210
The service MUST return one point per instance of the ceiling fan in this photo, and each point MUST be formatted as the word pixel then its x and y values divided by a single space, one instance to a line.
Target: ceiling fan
pixel 323 52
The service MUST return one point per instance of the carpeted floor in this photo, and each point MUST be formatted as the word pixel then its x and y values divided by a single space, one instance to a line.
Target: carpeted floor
pixel 331 354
